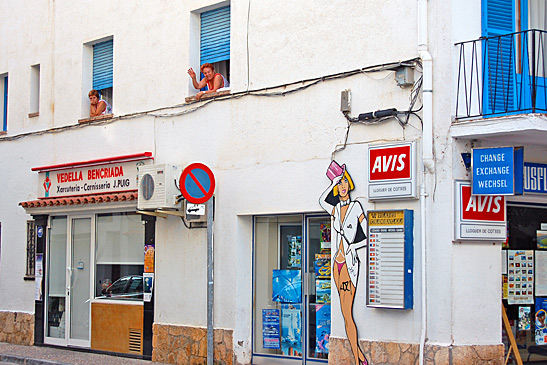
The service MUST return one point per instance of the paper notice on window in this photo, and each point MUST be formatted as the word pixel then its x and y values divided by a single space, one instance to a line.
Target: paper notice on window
pixel 541 273
pixel 148 286
pixel 38 274
pixel 504 262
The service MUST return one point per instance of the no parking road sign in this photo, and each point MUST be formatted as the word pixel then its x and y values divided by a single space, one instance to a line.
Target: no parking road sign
pixel 197 183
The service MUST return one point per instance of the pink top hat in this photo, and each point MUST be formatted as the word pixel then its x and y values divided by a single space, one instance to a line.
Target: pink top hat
pixel 335 170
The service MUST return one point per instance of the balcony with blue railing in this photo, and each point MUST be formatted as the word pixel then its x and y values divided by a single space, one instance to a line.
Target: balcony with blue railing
pixel 502 79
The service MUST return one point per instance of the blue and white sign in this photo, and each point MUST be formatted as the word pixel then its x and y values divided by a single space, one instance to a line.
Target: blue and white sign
pixel 40 231
pixel 497 171
pixel 535 178
pixel 270 329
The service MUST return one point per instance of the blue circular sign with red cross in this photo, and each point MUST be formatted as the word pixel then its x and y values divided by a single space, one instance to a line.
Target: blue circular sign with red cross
pixel 197 183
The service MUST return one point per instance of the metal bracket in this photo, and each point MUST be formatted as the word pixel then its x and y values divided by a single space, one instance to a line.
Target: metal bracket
pixel 152 213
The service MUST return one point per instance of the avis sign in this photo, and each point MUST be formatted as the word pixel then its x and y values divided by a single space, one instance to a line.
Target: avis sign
pixel 392 171
pixel 478 218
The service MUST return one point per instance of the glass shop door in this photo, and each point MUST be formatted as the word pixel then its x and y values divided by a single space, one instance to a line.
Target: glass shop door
pixel 79 282
pixel 291 321
pixel 318 273
pixel 69 278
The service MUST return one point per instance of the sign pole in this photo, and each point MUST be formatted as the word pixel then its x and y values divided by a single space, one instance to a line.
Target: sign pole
pixel 210 282
pixel 197 185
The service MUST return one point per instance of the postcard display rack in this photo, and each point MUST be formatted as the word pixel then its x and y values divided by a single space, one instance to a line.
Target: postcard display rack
pixel 525 284
pixel 390 259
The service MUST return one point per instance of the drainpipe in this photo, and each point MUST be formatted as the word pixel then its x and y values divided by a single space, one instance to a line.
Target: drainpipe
pixel 427 157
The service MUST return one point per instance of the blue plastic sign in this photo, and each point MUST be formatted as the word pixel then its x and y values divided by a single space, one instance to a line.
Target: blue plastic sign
pixel 40 231
pixel 497 171
pixel 535 178
pixel 197 183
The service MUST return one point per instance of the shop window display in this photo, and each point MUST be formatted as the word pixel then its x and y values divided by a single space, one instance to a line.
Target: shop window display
pixel 119 256
pixel 292 315
pixel 524 278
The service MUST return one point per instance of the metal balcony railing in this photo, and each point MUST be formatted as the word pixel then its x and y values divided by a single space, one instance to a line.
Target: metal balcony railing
pixel 502 75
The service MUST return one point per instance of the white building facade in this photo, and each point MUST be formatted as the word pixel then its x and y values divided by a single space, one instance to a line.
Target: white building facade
pixel 70 224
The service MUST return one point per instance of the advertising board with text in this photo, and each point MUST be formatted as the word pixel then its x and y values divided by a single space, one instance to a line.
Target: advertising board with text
pixel 98 179
pixel 497 170
pixel 535 178
pixel 478 218
pixel 390 259
pixel 392 171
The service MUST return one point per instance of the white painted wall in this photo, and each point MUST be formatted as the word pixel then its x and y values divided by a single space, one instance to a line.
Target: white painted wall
pixel 269 154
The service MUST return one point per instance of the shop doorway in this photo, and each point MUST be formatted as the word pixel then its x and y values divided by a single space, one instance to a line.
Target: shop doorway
pixel 69 281
pixel 291 289
pixel 94 284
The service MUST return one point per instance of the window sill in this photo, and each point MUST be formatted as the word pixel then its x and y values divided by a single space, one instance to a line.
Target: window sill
pixel 33 115
pixel 207 96
pixel 100 117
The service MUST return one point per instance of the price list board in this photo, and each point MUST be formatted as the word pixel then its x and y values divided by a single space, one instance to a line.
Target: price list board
pixel 390 259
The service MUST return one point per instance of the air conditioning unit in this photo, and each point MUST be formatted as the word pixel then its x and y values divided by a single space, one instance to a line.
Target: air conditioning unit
pixel 158 186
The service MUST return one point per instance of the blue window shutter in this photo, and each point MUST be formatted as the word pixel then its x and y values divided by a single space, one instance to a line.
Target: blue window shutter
pixel 498 18
pixel 5 111
pixel 215 35
pixel 102 65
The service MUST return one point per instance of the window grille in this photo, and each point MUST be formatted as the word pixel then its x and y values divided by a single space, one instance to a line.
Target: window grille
pixel 31 245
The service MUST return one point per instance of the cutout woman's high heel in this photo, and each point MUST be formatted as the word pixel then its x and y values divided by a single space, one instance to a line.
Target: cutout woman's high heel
pixel 363 362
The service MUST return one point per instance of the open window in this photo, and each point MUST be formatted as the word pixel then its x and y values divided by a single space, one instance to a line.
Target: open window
pixel 215 39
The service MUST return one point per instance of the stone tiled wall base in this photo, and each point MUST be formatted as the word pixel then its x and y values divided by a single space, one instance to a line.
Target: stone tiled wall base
pixel 17 328
pixel 378 352
pixel 188 345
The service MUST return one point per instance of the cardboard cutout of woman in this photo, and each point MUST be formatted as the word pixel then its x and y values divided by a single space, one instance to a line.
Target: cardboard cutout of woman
pixel 348 235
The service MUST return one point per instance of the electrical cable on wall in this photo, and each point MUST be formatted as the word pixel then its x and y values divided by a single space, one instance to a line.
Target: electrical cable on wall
pixel 379 116
pixel 263 92
pixel 185 224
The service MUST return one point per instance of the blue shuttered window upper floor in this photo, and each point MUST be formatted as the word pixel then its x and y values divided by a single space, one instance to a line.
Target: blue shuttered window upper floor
pixel 498 19
pixel 513 53
pixel 215 35
pixel 103 65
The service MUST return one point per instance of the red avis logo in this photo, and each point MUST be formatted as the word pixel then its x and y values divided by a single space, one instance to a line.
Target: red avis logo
pixel 482 208
pixel 390 163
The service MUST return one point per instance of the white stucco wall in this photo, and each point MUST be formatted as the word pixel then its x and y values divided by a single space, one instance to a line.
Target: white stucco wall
pixel 269 154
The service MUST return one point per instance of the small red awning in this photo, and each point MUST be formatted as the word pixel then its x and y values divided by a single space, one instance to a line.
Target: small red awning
pixel 80 200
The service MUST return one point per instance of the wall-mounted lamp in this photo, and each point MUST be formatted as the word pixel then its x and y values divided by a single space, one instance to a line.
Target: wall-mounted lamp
pixel 466 157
